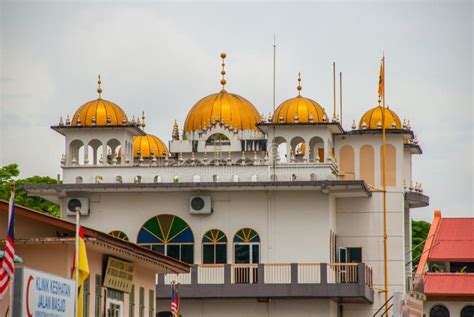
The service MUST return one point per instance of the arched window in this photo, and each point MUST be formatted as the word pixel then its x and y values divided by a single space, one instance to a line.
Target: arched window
pixel 99 179
pixel 138 179
pixel 196 178
pixel 218 139
pixel 215 178
pixel 157 179
pixel 246 246
pixel 79 180
pixel 367 164
pixel 467 311
pixel 346 161
pixel 214 247
pixel 439 311
pixel 118 179
pixel 119 234
pixel 168 235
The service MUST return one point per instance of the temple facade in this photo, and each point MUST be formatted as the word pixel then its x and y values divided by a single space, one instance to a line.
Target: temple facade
pixel 280 215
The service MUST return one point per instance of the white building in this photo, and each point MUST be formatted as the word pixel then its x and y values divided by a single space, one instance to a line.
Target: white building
pixel 282 216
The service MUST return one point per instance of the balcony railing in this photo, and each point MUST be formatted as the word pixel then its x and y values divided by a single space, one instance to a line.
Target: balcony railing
pixel 349 282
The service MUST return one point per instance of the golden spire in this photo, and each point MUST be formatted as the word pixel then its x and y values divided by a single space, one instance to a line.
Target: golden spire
pixel 99 89
pixel 299 85
pixel 223 81
pixel 175 133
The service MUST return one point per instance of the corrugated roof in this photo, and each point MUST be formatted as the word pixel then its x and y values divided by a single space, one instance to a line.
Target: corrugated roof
pixel 454 240
pixel 449 284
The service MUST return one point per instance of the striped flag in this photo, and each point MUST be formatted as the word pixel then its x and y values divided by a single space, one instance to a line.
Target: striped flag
pixel 174 301
pixel 7 269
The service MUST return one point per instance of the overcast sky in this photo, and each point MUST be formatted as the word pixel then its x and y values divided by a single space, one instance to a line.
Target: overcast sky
pixel 163 57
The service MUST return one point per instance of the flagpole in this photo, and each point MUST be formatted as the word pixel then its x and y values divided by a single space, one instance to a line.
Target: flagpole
pixel 384 184
pixel 76 260
pixel 12 202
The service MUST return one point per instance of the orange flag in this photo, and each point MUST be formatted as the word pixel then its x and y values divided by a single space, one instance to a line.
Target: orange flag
pixel 381 81
pixel 83 271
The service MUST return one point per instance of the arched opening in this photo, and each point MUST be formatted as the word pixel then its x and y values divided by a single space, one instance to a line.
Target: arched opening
pixel 119 234
pixel 79 180
pixel 157 179
pixel 298 149
pixel 113 152
pixel 99 179
pixel 76 152
pixel 346 162
pixel 235 178
pixel 214 247
pixel 169 235
pixel 196 178
pixel 96 151
pixel 316 149
pixel 467 311
pixel 313 177
pixel 367 164
pixel 118 179
pixel 253 178
pixel 215 178
pixel 218 139
pixel 246 246
pixel 137 179
pixel 279 150
pixel 439 311
pixel 391 165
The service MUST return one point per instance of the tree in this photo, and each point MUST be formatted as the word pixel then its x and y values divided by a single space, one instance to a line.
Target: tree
pixel 419 234
pixel 9 174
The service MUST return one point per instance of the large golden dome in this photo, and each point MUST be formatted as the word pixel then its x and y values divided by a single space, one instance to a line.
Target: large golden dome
pixel 99 112
pixel 231 109
pixel 372 119
pixel 147 144
pixel 300 109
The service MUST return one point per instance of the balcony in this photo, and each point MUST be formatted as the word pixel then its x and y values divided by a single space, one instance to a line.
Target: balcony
pixel 342 282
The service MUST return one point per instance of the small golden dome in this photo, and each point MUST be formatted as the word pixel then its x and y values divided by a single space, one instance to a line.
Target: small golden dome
pixel 299 109
pixel 225 107
pixel 372 119
pixel 147 144
pixel 99 112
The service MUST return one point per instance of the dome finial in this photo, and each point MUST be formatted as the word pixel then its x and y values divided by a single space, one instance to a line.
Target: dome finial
pixel 299 85
pixel 223 81
pixel 143 120
pixel 99 89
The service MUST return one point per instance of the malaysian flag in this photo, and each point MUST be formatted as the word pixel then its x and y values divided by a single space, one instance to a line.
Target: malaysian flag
pixel 174 301
pixel 7 269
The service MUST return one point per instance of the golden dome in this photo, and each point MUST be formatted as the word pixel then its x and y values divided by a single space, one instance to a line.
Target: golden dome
pixel 225 107
pixel 99 112
pixel 231 109
pixel 300 109
pixel 146 144
pixel 372 119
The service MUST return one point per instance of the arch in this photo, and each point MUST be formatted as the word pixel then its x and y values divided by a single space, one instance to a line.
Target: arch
pixel 79 180
pixel 196 178
pixel 218 139
pixel 76 152
pixel 467 311
pixel 253 178
pixel 313 177
pixel 215 178
pixel 439 311
pixel 391 165
pixel 214 247
pixel 95 154
pixel 169 235
pixel 235 178
pixel 346 162
pixel 246 246
pixel 157 179
pixel 137 179
pixel 367 164
pixel 99 179
pixel 298 148
pixel 118 179
pixel 279 149
pixel 316 149
pixel 113 151
pixel 119 234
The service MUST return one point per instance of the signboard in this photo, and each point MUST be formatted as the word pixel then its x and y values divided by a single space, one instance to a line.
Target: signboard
pixel 407 305
pixel 42 294
pixel 119 275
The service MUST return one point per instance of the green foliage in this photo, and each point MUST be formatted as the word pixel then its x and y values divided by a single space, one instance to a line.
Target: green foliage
pixel 419 233
pixel 9 174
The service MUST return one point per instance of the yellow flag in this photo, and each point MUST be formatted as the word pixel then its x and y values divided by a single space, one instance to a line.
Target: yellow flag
pixel 381 81
pixel 83 271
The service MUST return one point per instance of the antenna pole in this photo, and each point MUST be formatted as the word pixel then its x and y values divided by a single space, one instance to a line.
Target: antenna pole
pixel 340 97
pixel 274 70
pixel 334 88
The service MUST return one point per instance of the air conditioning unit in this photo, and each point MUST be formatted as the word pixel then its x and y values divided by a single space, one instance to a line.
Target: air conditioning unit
pixel 200 205
pixel 77 202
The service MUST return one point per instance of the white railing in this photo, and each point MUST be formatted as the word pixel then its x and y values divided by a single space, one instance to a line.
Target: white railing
pixel 244 274
pixel 210 274
pixel 184 278
pixel 309 273
pixel 277 273
pixel 342 273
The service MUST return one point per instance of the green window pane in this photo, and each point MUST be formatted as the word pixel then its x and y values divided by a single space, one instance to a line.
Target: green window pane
pixel 172 250
pixel 208 254
pixel 242 253
pixel 187 253
pixel 221 253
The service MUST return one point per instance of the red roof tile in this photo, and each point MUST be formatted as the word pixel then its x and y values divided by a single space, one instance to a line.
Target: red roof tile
pixel 449 284
pixel 454 240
